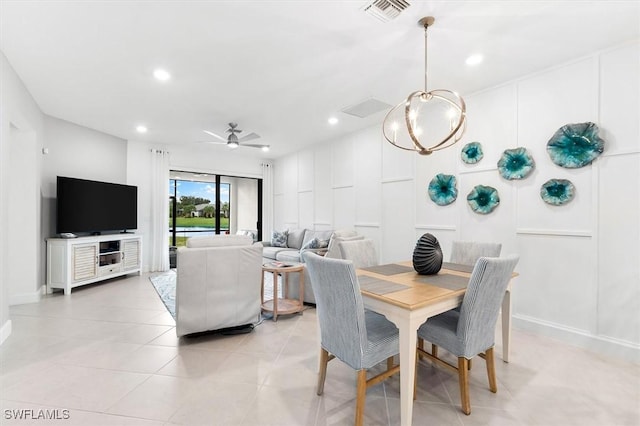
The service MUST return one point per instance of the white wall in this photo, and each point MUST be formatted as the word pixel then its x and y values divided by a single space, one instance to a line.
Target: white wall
pixel 245 204
pixel 579 268
pixel 78 152
pixel 23 216
pixel 21 133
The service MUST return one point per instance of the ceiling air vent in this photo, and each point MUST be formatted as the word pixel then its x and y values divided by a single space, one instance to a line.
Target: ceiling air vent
pixel 386 10
pixel 367 108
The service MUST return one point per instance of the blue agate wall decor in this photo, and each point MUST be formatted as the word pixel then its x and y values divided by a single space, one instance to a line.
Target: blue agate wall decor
pixel 515 164
pixel 443 189
pixel 575 145
pixel 557 192
pixel 483 199
pixel 472 153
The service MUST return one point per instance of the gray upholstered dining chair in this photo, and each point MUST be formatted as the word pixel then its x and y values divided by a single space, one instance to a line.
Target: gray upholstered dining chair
pixel 468 252
pixel 359 339
pixel 470 331
pixel 362 253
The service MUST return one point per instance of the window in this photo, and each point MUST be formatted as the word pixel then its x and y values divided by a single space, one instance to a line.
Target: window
pixel 196 208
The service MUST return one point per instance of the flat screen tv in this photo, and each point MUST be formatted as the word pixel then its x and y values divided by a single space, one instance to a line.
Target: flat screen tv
pixel 92 207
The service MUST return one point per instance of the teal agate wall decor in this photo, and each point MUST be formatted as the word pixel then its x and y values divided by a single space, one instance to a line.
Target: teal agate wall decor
pixel 557 192
pixel 515 164
pixel 575 145
pixel 472 153
pixel 483 199
pixel 443 189
pixel 427 256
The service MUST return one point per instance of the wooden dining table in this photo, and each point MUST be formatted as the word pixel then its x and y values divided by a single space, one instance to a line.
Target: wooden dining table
pixel 408 299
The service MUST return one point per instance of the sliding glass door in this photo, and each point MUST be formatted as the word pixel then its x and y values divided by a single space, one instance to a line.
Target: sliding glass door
pixel 202 204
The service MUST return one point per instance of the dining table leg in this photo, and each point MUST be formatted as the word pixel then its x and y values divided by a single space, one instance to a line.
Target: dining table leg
pixel 408 341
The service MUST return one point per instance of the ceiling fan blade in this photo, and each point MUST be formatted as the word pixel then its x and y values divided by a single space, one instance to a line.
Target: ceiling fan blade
pixel 251 136
pixel 255 145
pixel 213 142
pixel 215 136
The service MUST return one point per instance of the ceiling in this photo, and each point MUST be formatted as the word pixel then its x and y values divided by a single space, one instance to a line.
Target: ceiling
pixel 280 68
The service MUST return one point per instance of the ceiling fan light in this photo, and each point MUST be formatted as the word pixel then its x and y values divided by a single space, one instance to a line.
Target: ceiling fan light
pixel 233 141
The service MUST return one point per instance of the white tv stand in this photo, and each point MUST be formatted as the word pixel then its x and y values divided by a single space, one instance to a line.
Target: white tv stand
pixel 73 262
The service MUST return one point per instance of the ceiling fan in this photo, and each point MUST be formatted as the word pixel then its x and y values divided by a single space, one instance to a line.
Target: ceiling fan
pixel 233 141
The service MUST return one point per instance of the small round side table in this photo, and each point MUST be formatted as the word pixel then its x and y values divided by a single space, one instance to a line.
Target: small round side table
pixel 283 305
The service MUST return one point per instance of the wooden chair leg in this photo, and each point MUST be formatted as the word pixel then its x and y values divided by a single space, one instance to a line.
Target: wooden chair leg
pixel 360 396
pixel 421 343
pixel 389 363
pixel 322 374
pixel 415 377
pixel 491 370
pixel 469 364
pixel 463 378
pixel 434 350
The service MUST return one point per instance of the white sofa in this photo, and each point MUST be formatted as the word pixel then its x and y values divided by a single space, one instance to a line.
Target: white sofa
pixel 218 283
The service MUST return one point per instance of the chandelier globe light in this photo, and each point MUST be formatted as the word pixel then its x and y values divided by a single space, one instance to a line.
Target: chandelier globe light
pixel 412 124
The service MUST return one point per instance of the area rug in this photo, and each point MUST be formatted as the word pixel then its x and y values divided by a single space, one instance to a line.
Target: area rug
pixel 165 285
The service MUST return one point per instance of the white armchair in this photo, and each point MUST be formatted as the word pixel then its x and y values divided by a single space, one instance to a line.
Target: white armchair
pixel 218 283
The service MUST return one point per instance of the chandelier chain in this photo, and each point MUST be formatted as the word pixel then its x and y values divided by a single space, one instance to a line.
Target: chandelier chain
pixel 426 27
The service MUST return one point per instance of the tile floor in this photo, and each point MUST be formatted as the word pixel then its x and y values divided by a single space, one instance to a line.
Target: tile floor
pixel 109 355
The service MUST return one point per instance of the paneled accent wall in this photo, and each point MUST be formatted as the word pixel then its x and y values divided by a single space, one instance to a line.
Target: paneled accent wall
pixel 580 263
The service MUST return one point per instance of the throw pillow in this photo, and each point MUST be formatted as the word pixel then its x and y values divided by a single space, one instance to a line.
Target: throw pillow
pixel 316 243
pixel 279 239
pixel 320 235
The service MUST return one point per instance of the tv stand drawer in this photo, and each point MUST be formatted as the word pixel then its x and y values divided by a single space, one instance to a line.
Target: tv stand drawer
pixel 109 269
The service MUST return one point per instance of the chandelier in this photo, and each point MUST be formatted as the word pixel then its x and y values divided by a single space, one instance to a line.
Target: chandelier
pixel 411 124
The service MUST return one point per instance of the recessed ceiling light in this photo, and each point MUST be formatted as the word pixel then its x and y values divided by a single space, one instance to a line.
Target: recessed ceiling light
pixel 162 75
pixel 265 148
pixel 141 129
pixel 333 121
pixel 474 59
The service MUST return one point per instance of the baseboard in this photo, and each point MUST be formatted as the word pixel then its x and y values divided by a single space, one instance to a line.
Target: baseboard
pixel 602 345
pixel 21 299
pixel 5 331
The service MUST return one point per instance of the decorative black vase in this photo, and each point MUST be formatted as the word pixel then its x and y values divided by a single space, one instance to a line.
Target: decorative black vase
pixel 427 256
